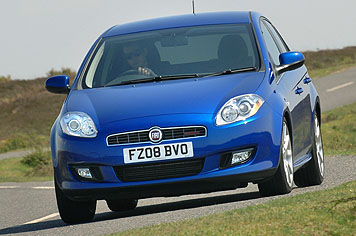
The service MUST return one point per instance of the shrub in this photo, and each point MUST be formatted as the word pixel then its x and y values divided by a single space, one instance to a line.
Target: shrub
pixel 5 78
pixel 39 163
pixel 11 144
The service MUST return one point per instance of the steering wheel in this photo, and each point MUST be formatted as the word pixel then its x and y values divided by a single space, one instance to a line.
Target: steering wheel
pixel 129 72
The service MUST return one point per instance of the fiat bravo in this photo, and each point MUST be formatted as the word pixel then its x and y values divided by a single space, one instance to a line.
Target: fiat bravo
pixel 184 105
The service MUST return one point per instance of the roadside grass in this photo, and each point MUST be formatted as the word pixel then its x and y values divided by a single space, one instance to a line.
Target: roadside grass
pixel 31 168
pixel 326 212
pixel 339 130
pixel 324 62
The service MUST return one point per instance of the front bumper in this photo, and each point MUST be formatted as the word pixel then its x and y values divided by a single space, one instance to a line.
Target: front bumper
pixel 262 131
pixel 171 189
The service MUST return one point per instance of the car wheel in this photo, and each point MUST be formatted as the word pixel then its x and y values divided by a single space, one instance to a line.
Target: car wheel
pixel 122 204
pixel 282 181
pixel 313 172
pixel 73 212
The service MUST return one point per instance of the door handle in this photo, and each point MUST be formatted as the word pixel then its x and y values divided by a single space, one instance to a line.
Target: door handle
pixel 298 91
pixel 307 80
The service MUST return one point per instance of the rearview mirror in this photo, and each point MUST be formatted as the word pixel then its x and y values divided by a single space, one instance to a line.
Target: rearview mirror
pixel 58 84
pixel 174 40
pixel 290 61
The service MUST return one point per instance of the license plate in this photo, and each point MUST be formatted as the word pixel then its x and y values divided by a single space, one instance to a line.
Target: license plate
pixel 158 152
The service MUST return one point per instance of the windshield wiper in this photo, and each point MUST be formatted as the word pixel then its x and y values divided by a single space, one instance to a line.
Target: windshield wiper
pixel 230 71
pixel 155 79
pixel 183 76
pixel 135 81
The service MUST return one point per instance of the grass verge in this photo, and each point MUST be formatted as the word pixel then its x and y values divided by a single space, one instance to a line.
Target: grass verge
pixel 327 212
pixel 33 167
pixel 339 130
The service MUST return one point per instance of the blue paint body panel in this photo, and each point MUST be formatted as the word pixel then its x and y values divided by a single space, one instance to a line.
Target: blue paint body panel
pixel 182 103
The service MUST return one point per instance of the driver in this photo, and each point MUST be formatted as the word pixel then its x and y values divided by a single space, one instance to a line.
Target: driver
pixel 136 57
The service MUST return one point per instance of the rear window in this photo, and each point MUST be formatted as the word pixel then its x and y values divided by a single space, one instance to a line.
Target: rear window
pixel 179 51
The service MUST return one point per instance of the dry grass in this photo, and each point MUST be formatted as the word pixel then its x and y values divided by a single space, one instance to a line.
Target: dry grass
pixel 28 111
pixel 324 62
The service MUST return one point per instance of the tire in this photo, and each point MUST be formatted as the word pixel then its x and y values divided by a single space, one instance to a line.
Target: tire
pixel 314 170
pixel 73 212
pixel 122 204
pixel 282 181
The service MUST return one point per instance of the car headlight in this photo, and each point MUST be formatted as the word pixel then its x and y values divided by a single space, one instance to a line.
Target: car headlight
pixel 239 108
pixel 78 124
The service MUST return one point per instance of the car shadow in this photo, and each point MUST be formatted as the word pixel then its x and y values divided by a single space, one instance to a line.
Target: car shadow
pixel 139 211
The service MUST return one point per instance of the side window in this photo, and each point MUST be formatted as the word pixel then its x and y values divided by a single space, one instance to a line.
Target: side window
pixel 281 44
pixel 271 45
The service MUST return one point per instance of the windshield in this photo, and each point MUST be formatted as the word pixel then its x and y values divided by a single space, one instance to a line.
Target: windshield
pixel 174 53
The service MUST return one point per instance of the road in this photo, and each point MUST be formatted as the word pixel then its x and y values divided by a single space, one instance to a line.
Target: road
pixel 337 89
pixel 30 209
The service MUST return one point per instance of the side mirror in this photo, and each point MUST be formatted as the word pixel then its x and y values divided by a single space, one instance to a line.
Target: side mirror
pixel 58 84
pixel 290 61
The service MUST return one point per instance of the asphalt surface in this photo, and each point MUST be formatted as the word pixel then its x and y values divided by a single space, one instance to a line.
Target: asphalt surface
pixel 337 89
pixel 30 208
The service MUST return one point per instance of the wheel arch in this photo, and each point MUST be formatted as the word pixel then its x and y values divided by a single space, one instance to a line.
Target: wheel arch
pixel 317 109
pixel 287 115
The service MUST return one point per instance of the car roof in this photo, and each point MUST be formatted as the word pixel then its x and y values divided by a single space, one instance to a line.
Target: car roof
pixel 179 21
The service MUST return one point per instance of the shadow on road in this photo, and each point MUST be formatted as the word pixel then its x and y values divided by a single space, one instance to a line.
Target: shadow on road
pixel 145 210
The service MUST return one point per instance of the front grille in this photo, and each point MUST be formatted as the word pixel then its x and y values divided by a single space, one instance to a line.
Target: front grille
pixel 144 172
pixel 168 134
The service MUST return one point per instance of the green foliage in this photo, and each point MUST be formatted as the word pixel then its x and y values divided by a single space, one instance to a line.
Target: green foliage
pixel 10 144
pixel 339 131
pixel 38 163
pixel 23 141
pixel 5 78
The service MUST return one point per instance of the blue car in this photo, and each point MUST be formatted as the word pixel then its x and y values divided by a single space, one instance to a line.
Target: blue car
pixel 184 105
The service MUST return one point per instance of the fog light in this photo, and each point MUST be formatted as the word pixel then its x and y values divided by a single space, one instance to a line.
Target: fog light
pixel 84 172
pixel 241 156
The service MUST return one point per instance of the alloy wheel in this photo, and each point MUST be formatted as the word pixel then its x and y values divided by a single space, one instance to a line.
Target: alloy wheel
pixel 287 156
pixel 319 146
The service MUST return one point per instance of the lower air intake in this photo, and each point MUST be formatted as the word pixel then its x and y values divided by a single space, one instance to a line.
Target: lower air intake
pixel 144 172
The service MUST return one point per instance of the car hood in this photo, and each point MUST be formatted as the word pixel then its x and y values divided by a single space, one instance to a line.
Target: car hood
pixel 185 96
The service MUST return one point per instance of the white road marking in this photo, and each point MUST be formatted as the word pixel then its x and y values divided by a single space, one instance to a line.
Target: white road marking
pixel 43 187
pixel 42 219
pixel 8 187
pixel 340 86
pixel 12 187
